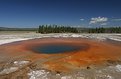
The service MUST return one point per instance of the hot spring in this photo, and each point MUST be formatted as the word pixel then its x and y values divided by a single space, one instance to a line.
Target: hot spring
pixel 63 54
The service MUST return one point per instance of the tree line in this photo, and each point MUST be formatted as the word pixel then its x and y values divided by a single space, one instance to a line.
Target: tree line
pixel 105 30
pixel 67 29
pixel 56 29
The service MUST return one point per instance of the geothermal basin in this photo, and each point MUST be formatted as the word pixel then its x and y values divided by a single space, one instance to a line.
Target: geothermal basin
pixel 62 55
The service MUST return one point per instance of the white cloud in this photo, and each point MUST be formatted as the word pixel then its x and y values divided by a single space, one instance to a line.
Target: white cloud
pixel 98 20
pixel 116 19
pixel 103 24
pixel 81 19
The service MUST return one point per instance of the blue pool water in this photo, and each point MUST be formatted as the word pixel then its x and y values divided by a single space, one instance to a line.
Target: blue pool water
pixel 51 49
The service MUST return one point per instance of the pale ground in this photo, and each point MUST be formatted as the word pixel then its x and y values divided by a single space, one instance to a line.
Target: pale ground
pixel 110 72
pixel 8 37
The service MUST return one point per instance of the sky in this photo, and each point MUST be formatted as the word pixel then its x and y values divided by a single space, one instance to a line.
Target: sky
pixel 81 13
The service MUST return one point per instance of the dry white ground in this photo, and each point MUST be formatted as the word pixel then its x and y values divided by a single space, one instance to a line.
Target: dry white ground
pixel 12 37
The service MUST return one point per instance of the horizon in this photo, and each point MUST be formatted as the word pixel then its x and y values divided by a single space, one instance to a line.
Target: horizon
pixel 81 13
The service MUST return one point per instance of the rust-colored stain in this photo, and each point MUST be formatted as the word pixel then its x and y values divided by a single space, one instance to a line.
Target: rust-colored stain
pixel 94 53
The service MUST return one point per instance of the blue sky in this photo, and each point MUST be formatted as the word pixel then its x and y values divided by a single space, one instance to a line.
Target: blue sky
pixel 83 13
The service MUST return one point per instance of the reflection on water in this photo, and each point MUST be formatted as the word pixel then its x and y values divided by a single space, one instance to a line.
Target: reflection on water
pixel 51 49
